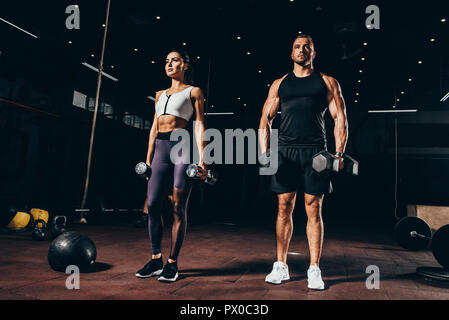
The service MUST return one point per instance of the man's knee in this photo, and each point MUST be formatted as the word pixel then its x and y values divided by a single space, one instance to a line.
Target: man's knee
pixel 285 209
pixel 312 201
pixel 313 207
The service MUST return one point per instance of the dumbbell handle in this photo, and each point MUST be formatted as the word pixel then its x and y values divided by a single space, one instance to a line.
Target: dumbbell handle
pixel 415 234
pixel 211 177
pixel 194 171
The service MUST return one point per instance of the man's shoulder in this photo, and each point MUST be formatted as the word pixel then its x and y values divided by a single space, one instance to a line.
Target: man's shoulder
pixel 327 77
pixel 278 81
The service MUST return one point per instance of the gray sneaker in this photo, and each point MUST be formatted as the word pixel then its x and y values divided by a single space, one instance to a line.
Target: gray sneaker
pixel 278 274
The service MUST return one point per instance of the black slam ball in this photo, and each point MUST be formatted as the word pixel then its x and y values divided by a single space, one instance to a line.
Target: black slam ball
pixel 72 248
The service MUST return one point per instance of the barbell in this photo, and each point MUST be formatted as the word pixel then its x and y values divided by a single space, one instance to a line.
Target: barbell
pixel 413 233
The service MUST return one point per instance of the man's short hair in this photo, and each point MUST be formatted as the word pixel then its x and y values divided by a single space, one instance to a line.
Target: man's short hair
pixel 303 35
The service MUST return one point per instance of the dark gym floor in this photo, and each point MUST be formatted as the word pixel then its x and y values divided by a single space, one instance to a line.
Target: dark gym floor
pixel 220 261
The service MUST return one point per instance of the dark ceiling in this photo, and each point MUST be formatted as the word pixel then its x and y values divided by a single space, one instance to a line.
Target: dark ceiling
pixel 266 28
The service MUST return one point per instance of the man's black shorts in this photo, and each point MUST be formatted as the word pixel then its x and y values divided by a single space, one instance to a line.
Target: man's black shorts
pixel 295 172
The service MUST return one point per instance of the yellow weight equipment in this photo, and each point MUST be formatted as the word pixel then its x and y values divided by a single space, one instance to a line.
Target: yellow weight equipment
pixel 39 214
pixel 20 221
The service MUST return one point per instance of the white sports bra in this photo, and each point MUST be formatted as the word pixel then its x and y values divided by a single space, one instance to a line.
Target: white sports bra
pixel 177 104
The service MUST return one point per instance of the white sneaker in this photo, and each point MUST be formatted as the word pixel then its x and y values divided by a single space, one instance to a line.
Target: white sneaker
pixel 279 273
pixel 314 278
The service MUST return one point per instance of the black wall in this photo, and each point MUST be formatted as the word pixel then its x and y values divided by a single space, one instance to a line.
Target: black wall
pixel 43 163
pixel 44 141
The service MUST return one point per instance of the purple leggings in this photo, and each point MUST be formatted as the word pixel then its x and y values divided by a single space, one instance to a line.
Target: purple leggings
pixel 166 175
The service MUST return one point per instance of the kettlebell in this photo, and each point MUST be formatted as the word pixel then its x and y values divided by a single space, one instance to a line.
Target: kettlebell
pixel 39 231
pixel 58 226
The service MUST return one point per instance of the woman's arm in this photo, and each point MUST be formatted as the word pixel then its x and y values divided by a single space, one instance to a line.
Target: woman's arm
pixel 153 134
pixel 198 96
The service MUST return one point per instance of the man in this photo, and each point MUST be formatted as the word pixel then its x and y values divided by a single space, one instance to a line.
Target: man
pixel 302 96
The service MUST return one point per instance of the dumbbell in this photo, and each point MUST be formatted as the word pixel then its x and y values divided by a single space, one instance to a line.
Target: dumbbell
pixel 350 165
pixel 39 231
pixel 413 233
pixel 195 172
pixel 143 170
pixel 58 225
pixel 328 164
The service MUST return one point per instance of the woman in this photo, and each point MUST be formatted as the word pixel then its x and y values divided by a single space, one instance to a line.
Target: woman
pixel 175 107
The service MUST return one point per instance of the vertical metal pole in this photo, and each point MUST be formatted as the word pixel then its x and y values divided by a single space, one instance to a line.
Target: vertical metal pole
pixel 94 121
pixel 208 92
pixel 441 71
pixel 395 158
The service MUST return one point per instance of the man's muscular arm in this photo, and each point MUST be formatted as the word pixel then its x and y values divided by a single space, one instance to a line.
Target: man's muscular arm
pixel 269 112
pixel 337 109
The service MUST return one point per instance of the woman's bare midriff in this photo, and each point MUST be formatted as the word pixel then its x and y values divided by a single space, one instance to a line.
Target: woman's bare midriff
pixel 167 123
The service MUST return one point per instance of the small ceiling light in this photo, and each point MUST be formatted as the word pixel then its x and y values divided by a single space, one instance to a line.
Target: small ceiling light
pixel 397 100
pixel 198 57
pixel 268 85
pixel 402 92
pixel 432 39
pixel 356 101
pixel 158 17
pixel 244 104
pixel 409 79
pixel 359 81
pixel 238 98
pixel 260 71
pixel 103 25
pixel 419 62
pixel 299 32
pixel 357 94
pixel 153 62
pixel 92 55
pixel 360 70
pixel 112 67
pixel 70 42
pixel 443 20
pixel 184 44
pixel 365 43
pixel 135 49
pixel 248 53
pixel 363 58
pixel 238 38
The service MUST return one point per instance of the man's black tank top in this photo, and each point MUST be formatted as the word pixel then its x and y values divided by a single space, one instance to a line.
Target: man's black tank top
pixel 303 102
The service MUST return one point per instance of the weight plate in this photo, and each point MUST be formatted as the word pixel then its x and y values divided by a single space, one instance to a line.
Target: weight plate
pixel 440 246
pixel 403 233
pixel 433 273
